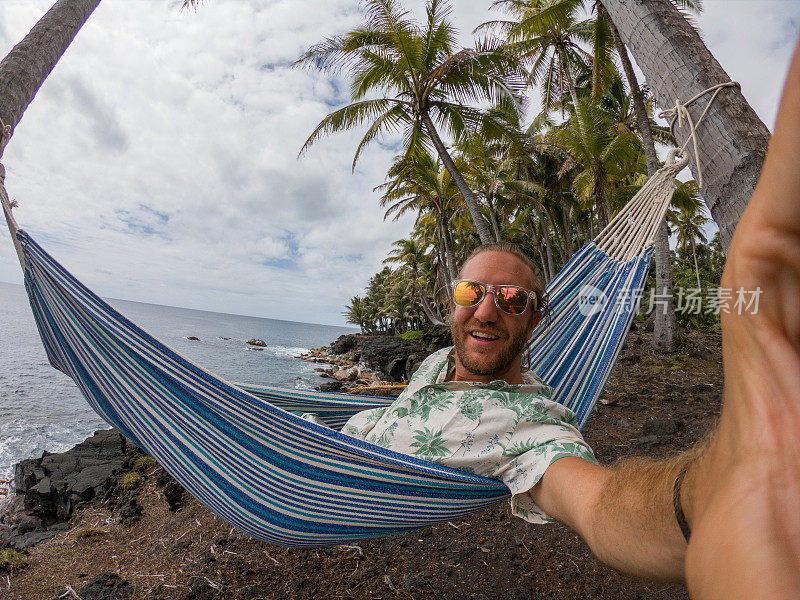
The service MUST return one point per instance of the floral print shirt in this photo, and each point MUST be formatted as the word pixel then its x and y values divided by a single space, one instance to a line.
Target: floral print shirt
pixel 498 430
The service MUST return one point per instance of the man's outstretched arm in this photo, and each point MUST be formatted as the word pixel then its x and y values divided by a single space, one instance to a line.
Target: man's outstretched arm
pixel 624 513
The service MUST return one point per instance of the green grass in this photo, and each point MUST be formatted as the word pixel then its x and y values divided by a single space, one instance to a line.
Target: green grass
pixel 131 480
pixel 144 463
pixel 86 533
pixel 410 335
pixel 11 560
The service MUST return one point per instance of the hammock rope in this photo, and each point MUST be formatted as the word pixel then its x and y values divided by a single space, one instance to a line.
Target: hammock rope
pixel 680 114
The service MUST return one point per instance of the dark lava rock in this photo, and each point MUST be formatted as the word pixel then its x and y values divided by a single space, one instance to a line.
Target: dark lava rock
pixel 701 352
pixel 331 386
pixel 30 539
pixel 174 493
pixel 433 339
pixel 661 427
pixel 107 586
pixel 257 343
pixel 130 512
pixel 413 362
pixel 344 344
pixel 387 354
pixel 702 388
pixel 53 485
pixel 648 442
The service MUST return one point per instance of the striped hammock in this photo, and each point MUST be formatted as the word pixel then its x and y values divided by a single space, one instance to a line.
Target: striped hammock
pixel 239 449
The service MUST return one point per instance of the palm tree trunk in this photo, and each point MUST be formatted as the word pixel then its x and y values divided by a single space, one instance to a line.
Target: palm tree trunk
pixel 493 218
pixel 665 323
pixel 732 141
pixel 546 236
pixel 696 268
pixel 545 272
pixel 567 234
pixel 428 310
pixel 466 193
pixel 443 259
pixel 25 68
pixel 568 73
pixel 452 265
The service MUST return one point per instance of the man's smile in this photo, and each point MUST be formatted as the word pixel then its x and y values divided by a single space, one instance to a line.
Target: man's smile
pixel 483 336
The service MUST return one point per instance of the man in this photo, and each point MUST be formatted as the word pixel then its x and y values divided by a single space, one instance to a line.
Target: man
pixel 472 407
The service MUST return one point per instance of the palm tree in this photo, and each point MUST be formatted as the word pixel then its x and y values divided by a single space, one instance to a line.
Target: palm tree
pixel 355 312
pixel 411 255
pixel 665 323
pixel 549 36
pixel 419 79
pixel 688 220
pixel 600 153
pixel 25 68
pixel 732 141
pixel 418 183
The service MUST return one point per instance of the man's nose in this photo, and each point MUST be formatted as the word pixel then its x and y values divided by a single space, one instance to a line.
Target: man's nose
pixel 487 309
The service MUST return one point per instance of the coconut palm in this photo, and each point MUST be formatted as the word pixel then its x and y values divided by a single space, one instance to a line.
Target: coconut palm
pixel 678 66
pixel 420 79
pixel 419 183
pixel 688 220
pixel 411 255
pixel 355 312
pixel 664 324
pixel 25 68
pixel 549 35
pixel 599 153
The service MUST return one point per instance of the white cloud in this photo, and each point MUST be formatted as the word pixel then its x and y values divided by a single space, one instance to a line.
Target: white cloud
pixel 159 160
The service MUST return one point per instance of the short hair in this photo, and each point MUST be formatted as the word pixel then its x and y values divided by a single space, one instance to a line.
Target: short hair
pixel 514 250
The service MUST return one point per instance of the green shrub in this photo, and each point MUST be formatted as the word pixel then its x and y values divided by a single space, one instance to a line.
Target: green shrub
pixel 85 533
pixel 144 463
pixel 11 560
pixel 131 480
pixel 410 335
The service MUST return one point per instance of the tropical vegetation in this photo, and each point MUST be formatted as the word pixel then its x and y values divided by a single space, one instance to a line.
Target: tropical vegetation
pixel 476 166
pixel 476 163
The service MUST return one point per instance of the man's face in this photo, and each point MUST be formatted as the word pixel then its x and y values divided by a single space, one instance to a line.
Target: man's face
pixel 489 341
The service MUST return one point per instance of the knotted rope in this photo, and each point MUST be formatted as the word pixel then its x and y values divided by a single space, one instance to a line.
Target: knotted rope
pixel 5 135
pixel 8 204
pixel 680 115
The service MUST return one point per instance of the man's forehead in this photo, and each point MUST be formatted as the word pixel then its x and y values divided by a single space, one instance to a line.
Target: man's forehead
pixel 495 266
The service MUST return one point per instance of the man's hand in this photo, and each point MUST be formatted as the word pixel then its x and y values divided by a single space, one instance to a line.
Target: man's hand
pixel 745 504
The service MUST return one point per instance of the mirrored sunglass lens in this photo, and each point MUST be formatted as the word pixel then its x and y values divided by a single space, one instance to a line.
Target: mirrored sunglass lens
pixel 468 293
pixel 512 299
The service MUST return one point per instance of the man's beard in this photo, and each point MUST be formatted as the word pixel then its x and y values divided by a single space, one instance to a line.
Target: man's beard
pixel 485 365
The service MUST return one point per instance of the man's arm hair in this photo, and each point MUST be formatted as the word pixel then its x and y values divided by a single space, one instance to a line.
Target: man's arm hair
pixel 625 513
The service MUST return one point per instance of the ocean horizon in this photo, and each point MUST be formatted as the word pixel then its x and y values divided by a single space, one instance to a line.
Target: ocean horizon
pixel 42 409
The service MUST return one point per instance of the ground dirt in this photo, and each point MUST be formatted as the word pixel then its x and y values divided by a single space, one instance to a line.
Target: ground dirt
pixel 657 407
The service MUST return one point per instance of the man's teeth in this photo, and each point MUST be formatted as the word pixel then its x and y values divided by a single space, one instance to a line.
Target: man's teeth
pixel 484 336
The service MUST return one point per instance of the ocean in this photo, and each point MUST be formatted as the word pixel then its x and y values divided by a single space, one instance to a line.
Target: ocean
pixel 42 409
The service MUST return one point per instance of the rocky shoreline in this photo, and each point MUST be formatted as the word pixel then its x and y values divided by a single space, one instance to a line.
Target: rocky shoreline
pixel 373 364
pixel 104 521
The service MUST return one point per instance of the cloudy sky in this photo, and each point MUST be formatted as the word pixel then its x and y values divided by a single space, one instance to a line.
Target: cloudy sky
pixel 159 163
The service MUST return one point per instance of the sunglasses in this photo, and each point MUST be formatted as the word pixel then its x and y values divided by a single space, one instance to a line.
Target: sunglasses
pixel 511 299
